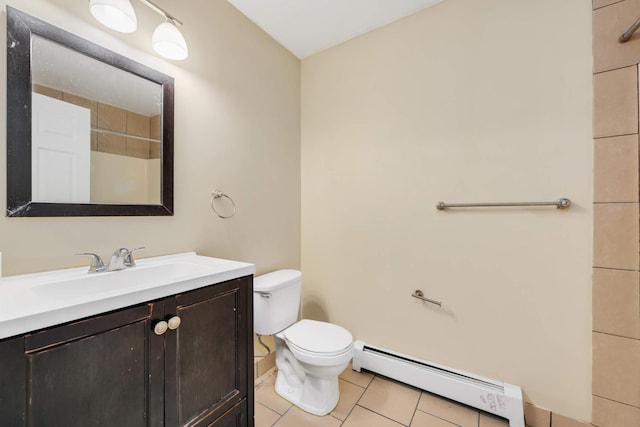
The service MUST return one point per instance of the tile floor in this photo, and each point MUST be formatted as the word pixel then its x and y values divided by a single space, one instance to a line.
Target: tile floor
pixel 368 400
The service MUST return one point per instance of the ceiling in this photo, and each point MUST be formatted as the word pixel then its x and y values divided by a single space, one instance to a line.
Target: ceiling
pixel 306 27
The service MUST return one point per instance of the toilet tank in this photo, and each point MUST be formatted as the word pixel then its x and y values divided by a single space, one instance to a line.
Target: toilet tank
pixel 276 300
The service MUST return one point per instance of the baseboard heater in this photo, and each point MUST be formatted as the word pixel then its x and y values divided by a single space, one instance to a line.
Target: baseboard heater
pixel 501 399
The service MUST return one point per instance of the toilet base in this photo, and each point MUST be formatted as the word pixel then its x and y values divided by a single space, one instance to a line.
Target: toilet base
pixel 318 396
pixel 312 388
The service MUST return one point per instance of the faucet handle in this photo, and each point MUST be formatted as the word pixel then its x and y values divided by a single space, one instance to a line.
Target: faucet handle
pixel 128 259
pixel 97 264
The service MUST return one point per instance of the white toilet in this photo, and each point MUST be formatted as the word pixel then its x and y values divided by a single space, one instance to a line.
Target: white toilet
pixel 309 354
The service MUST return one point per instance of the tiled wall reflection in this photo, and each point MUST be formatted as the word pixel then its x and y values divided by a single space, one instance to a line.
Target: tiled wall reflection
pixel 113 129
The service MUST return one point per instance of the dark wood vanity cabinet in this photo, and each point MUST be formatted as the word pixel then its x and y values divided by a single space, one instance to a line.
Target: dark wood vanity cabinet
pixel 113 370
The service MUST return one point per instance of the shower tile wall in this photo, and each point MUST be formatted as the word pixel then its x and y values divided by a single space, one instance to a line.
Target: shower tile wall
pixel 616 259
pixel 110 118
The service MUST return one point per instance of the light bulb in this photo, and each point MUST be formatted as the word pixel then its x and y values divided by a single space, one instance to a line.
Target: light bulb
pixel 115 14
pixel 168 41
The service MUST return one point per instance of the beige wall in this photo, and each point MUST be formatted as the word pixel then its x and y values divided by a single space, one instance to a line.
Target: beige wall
pixel 237 128
pixel 136 181
pixel 464 102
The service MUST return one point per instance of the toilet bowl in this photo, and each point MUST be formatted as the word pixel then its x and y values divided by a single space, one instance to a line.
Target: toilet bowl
pixel 309 354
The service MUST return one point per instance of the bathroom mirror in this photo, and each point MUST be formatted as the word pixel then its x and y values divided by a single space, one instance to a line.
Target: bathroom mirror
pixel 89 131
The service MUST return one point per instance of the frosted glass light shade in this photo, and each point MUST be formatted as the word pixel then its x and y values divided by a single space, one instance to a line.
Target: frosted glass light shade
pixel 115 14
pixel 168 42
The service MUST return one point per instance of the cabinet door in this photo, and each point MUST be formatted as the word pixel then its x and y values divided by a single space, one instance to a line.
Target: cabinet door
pixel 207 356
pixel 101 371
pixel 234 417
pixel 13 370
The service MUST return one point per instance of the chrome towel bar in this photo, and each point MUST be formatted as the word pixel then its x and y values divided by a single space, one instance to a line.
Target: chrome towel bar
pixel 561 203
pixel 420 295
pixel 627 34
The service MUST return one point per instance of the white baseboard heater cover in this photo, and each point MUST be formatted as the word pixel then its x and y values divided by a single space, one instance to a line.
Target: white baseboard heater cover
pixel 501 399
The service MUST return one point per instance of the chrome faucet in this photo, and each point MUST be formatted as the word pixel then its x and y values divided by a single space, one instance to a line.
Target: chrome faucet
pixel 122 258
pixel 117 260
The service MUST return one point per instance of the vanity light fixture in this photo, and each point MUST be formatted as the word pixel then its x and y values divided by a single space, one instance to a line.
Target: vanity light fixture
pixel 167 40
pixel 115 14
pixel 119 15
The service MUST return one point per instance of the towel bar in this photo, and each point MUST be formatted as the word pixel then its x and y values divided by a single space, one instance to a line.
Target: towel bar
pixel 561 203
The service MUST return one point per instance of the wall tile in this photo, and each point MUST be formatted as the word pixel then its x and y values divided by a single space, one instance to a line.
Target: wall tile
pixel 615 102
pixel 616 302
pixel 154 150
pixel 616 169
pixel 615 236
pixel 608 25
pixel 47 91
pixel 561 421
pixel 137 148
pixel 536 417
pixel 154 127
pixel 616 368
pixel 607 413
pixel 110 143
pixel 137 124
pixel 112 118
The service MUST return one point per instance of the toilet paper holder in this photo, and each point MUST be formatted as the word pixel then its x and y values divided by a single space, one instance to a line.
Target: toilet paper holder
pixel 420 295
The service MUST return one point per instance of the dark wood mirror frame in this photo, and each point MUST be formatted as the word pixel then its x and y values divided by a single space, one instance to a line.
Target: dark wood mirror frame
pixel 20 28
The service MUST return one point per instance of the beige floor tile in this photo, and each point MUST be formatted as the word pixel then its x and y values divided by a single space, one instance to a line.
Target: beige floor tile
pixel 266 363
pixel 616 302
pixel 265 417
pixel 607 413
pixel 615 169
pixel 349 396
pixel 562 421
pixel 597 4
pixel 490 421
pixel 296 417
pixel 268 377
pixel 615 102
pixel 362 379
pixel 614 228
pixel 608 24
pixel 422 419
pixel 391 399
pixel 266 394
pixel 536 417
pixel 361 417
pixel 616 369
pixel 448 410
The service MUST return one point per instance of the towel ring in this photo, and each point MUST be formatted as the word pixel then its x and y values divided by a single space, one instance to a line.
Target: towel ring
pixel 217 194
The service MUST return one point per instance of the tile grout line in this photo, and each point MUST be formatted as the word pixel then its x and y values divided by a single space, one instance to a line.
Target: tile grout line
pixel 416 408
pixel 615 401
pixel 371 410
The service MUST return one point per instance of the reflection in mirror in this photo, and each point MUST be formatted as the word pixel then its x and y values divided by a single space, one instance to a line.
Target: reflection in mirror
pixel 88 120
pixel 100 126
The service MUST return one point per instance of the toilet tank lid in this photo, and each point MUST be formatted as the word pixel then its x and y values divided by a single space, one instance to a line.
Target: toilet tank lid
pixel 275 279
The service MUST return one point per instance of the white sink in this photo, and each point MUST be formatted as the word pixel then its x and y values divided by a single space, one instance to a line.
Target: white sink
pixel 114 281
pixel 34 301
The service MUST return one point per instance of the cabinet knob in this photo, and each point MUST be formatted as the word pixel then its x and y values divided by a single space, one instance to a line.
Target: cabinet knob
pixel 174 322
pixel 160 327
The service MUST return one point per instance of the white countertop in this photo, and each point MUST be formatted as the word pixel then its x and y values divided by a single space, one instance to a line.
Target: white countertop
pixel 33 301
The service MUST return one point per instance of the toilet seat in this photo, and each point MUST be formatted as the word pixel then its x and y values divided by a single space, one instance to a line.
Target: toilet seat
pixel 318 343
